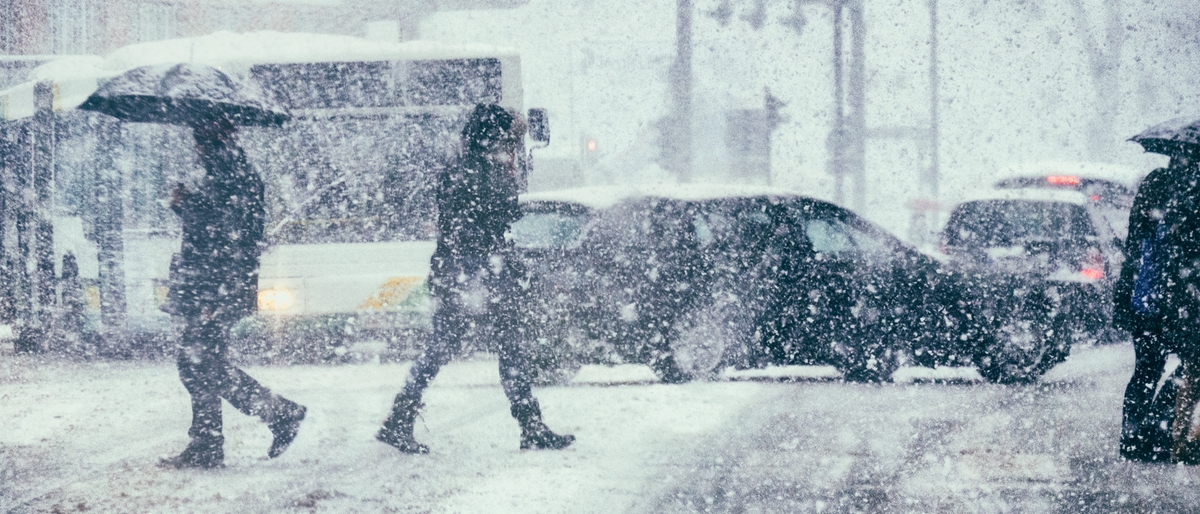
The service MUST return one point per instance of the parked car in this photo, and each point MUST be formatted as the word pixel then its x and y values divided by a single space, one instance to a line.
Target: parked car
pixel 1039 269
pixel 691 279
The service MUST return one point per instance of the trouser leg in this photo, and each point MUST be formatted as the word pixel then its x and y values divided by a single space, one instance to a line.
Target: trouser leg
pixel 449 325
pixel 199 353
pixel 508 331
pixel 1150 354
pixel 1185 405
pixel 209 376
pixel 448 329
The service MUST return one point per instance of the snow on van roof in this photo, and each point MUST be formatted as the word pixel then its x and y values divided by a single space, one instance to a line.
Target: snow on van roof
pixel 1119 173
pixel 229 48
pixel 1028 195
pixel 602 197
pixel 225 48
pixel 77 76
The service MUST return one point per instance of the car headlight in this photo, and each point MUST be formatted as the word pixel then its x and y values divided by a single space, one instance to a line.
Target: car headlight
pixel 276 299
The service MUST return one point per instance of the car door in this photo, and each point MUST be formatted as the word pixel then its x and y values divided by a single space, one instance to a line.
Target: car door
pixel 822 295
pixel 887 285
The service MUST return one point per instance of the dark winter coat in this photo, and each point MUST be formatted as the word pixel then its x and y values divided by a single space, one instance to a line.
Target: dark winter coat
pixel 1171 195
pixel 477 202
pixel 222 236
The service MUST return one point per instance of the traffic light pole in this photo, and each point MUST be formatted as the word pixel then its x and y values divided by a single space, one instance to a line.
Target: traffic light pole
pixel 847 140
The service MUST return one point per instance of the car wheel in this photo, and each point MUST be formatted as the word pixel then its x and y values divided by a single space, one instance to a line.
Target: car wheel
pixel 1022 347
pixel 697 343
pixel 556 356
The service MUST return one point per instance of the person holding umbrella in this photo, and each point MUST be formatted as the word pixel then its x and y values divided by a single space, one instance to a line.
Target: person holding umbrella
pixel 1154 297
pixel 475 278
pixel 215 275
pixel 218 285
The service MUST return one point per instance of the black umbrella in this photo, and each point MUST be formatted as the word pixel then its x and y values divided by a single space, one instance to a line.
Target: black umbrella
pixel 1170 137
pixel 182 94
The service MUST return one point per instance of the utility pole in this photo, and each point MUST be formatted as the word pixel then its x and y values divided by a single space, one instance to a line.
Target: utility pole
pixel 856 99
pixel 109 224
pixel 934 176
pixel 836 144
pixel 677 136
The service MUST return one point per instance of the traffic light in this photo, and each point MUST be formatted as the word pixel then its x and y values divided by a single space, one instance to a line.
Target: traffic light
pixel 591 149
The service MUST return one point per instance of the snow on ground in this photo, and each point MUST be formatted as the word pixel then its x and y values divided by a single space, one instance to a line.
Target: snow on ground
pixel 78 436
pixel 88 434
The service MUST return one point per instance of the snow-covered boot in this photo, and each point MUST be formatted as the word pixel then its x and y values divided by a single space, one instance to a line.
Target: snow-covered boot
pixel 284 421
pixel 205 452
pixel 535 435
pixel 397 430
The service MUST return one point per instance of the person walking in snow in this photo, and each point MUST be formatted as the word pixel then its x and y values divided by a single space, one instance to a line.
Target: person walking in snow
pixel 1154 298
pixel 217 285
pixel 475 278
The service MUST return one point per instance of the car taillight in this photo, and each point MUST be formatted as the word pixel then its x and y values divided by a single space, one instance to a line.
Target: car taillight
pixel 1062 180
pixel 1093 265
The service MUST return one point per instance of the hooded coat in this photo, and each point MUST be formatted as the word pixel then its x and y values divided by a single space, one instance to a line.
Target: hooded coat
pixel 476 199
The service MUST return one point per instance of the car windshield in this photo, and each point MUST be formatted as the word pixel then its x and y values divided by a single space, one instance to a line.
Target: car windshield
pixel 548 229
pixel 1009 222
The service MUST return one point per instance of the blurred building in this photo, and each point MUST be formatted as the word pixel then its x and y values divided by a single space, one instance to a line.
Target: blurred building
pixel 31 27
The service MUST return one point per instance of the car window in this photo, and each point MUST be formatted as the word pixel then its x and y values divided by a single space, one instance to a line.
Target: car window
pixel 547 229
pixel 1008 222
pixel 872 245
pixel 828 236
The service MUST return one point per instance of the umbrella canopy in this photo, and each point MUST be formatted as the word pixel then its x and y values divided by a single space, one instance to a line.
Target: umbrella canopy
pixel 1170 137
pixel 182 94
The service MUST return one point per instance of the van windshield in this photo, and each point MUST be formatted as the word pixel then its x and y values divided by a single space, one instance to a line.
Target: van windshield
pixel 340 182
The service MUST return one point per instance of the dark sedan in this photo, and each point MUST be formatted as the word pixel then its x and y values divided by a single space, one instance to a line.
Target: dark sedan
pixel 691 279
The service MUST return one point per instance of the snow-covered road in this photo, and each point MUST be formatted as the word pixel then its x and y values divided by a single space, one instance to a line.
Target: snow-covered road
pixel 86 436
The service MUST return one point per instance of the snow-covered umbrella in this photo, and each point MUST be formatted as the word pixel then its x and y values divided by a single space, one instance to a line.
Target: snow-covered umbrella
pixel 182 94
pixel 1170 137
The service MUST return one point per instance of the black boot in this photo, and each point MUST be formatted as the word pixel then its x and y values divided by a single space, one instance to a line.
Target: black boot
pixel 205 452
pixel 284 421
pixel 397 431
pixel 535 435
